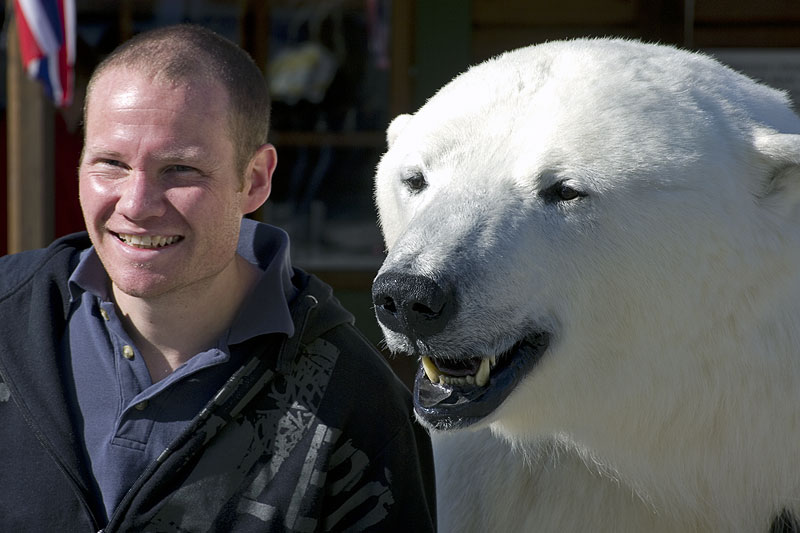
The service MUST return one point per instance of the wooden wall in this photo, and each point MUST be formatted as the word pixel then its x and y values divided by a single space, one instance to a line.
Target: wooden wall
pixel 503 24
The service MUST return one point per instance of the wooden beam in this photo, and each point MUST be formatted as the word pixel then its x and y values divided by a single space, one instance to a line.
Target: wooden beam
pixel 443 33
pixel 254 30
pixel 402 55
pixel 662 21
pixel 30 154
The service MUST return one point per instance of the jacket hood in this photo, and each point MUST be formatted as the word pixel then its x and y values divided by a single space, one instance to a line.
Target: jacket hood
pixel 316 300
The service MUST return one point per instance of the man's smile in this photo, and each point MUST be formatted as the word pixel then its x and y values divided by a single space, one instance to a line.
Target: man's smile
pixel 147 241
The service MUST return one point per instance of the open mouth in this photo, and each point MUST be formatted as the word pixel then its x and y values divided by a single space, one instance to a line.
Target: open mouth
pixel 148 242
pixel 455 393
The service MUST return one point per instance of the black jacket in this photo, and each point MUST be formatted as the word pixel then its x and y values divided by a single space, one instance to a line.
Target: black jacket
pixel 312 433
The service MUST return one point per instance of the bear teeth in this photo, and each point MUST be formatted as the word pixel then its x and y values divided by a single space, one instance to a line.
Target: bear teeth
pixel 479 379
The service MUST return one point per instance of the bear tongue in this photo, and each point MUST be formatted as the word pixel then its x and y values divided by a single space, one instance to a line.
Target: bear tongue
pixel 458 368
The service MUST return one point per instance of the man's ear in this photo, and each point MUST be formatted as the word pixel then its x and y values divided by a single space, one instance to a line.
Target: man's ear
pixel 781 153
pixel 258 178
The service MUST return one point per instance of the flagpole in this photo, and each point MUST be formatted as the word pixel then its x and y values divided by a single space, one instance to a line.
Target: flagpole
pixel 30 153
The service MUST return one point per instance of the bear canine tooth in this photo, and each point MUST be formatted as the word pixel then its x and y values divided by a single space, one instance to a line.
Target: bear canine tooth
pixel 430 369
pixel 482 375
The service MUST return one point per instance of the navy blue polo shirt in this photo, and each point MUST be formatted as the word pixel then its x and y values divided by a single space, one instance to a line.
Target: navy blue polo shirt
pixel 126 420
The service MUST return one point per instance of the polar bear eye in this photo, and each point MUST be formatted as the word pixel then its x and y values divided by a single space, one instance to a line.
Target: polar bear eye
pixel 560 192
pixel 415 181
pixel 567 193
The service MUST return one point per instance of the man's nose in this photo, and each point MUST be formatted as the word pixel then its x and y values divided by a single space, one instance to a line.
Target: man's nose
pixel 141 197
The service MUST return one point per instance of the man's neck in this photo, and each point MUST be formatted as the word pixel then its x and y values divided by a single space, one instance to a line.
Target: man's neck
pixel 170 329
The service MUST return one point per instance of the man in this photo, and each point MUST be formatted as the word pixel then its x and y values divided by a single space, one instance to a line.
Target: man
pixel 172 372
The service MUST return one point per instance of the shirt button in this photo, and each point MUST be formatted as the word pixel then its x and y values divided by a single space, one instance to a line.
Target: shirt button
pixel 104 314
pixel 127 352
pixel 141 406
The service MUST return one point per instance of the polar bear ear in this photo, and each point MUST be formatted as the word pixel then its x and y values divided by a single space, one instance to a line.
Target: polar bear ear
pixel 395 127
pixel 781 151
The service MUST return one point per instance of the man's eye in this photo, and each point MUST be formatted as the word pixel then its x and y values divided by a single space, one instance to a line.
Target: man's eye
pixel 180 168
pixel 112 163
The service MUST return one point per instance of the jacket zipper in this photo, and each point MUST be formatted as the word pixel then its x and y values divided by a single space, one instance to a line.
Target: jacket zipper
pixel 300 318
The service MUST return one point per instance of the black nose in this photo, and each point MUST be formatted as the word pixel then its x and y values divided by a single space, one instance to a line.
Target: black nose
pixel 412 305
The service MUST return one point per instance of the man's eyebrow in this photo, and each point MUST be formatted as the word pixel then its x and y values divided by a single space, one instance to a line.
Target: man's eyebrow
pixel 189 153
pixel 98 152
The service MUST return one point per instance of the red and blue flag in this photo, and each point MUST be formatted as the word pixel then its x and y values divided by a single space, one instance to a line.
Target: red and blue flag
pixel 47 44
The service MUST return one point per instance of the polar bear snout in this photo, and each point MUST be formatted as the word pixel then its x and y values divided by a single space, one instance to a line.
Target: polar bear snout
pixel 413 305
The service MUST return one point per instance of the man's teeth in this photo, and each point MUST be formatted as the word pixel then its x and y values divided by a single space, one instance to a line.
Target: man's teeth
pixel 479 379
pixel 147 241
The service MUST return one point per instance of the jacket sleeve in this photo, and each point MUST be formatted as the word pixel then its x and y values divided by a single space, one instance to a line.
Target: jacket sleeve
pixel 394 492
pixel 380 474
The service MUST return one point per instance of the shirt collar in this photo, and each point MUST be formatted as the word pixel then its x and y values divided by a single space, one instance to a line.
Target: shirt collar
pixel 267 247
pixel 89 276
pixel 264 310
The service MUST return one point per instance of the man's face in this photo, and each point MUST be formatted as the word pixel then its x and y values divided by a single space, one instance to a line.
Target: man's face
pixel 159 189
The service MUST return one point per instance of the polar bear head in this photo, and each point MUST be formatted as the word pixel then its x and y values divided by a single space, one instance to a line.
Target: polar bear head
pixel 581 229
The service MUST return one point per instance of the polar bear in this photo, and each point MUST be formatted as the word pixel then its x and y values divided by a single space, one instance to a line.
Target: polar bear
pixel 594 251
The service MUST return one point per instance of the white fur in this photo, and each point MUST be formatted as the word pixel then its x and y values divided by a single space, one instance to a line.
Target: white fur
pixel 669 398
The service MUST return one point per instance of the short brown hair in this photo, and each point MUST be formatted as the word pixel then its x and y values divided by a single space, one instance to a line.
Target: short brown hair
pixel 187 53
